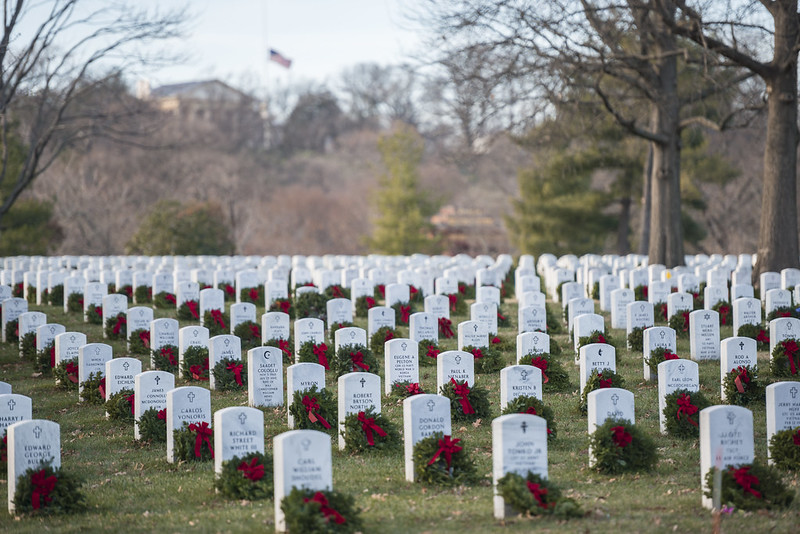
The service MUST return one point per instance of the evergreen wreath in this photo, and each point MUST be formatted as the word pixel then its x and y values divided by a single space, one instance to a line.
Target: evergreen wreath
pixel 336 291
pixel 193 442
pixel 531 405
pixel 166 358
pixel 217 322
pixel 316 353
pixel 446 328
pixel 742 386
pixel 723 308
pixel 534 495
pixel 604 378
pixel 757 332
pixel 75 302
pixel 658 355
pixel 466 403
pixel 640 292
pixel 286 348
pixel 784 449
pixel 487 359
pixel 405 389
pixel 438 459
pixel 251 295
pixel 314 409
pixel 284 306
pixel 783 311
pixel 320 512
pixel 126 290
pixel 699 297
pixel 31 294
pixel 230 375
pixel 466 290
pixel 153 425
pixel 189 310
pixel 164 300
pixel 27 346
pixel 143 294
pixel 354 358
pixel 336 326
pixel 554 376
pixel 785 361
pixel 248 477
pixel 228 291
pixel 93 391
pixel 660 311
pixel 139 342
pixel 596 336
pixel 55 296
pixel 45 359
pixel 619 446
pixel 751 487
pixel 380 337
pixel 554 326
pixel 636 339
pixel 250 334
pixel 119 405
pixel 195 363
pixel 458 304
pixel 595 294
pixel 12 331
pixel 364 304
pixel 403 311
pixel 502 344
pixel 680 323
pixel 502 319
pixel 682 413
pixel 428 352
pixel 117 327
pixel 66 374
pixel 47 490
pixel 94 314
pixel 415 295
pixel 368 426
pixel 311 304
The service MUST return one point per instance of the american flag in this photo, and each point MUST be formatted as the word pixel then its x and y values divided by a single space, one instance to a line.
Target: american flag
pixel 278 58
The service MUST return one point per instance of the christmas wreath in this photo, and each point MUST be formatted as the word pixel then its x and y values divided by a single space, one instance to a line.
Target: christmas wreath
pixel 429 352
pixel 660 311
pixel 682 412
pixel 143 294
pixel 314 409
pixel 742 386
pixel 336 292
pixel 286 348
pixel 751 487
pixel 12 331
pixel 658 355
pixel 284 306
pixel 48 490
pixel 166 358
pixel 596 336
pixel 193 442
pixel 228 291
pixel 117 327
pixel 94 389
pixel 502 319
pixel 698 300
pixel 320 512
pixel 66 375
pixel 604 378
pixel 619 446
pixel 757 332
pixel 364 304
pixel 311 304
pixel 466 403
pixel 119 406
pixel 139 342
pixel 531 405
pixel 217 322
pixel 640 292
pixel 195 363
pixel 315 353
pixel 252 295
pixel 680 323
pixel 439 459
pixel 153 425
pixel 554 376
pixel 354 358
pixel 27 346
pixel 636 339
pixel 164 300
pixel 250 334
pixel 466 290
pixel 458 304
pixel 248 477
pixel 723 308
pixel 403 311
pixel 94 314
pixel 502 344
pixel 380 337
pixel 535 495
pixel 230 375
pixel 446 328
pixel 31 294
pixel 55 296
pixel 370 431
pixel 189 310
pixel 75 302
pixel 785 361
pixel 415 295
pixel 45 359
pixel 783 311
pixel 406 389
pixel 126 290
pixel 487 359
pixel 784 449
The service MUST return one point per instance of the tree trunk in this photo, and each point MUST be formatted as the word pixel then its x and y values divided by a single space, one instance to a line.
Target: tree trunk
pixel 777 240
pixel 644 230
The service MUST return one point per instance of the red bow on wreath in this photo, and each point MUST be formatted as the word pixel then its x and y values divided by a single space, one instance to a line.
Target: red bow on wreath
pixel 462 391
pixel 745 480
pixel 433 352
pixel 229 290
pixel 604 382
pixel 500 317
pixel 669 356
pixel 284 346
pixel 600 338
pixel 255 331
pixel 121 321
pixel 541 363
pixel 389 336
pixel 204 433
pixel 790 348
pixel 132 401
pixel 285 305
pixel 43 485
pixel 197 372
pixel 724 311
pixel 237 371
pixel 169 355
pixel 216 315
pixel 762 336
pixel 358 361
pixel 253 471
pixel 405 312
pixel 621 438
pixel 477 353
pixel 445 327
pixel 414 388
pixel 686 407
pixel 253 294
pixel 796 437
pixel 326 510
pixel 162 414
pixel 193 309
pixel 144 336
pixel 741 378
pixel 447 447
pixel 496 340
pixel 312 409
pixel 370 302
pixel 453 301
pixel 72 372
pixel 102 387
pixel 98 310
pixel 368 425
pixel 169 297
pixel 685 326
pixel 538 493
pixel 53 356
pixel 319 352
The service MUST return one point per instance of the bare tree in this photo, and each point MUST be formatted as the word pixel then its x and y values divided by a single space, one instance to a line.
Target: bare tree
pixel 51 58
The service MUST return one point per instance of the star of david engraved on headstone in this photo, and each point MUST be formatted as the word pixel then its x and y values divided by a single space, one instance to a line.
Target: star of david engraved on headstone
pixel 707 316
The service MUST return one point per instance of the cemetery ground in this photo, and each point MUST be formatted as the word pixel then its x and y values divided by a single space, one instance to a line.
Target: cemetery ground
pixel 131 487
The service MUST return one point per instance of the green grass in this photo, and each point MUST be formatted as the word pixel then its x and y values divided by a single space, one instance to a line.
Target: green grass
pixel 131 487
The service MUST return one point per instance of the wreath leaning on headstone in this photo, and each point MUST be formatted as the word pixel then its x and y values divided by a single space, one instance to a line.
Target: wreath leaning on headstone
pixel 195 363
pixel 250 334
pixel 487 359
pixel 723 308
pixel 217 322
pixel 785 361
pixel 680 323
pixel 55 297
pixel 315 353
pixel 12 331
pixel 405 389
pixel 311 304
pixel 402 312
pixel 251 295
pixel 658 355
pixel 230 375
pixel 619 446
pixel 117 327
pixel 48 490
pixel 751 487
pixel 439 459
pixel 193 442
pixel 533 406
pixel 143 294
pixel 166 358
pixel 380 337
pixel 119 405
pixel 783 311
pixel 93 391
pixel 636 339
pixel 352 359
pixel 604 378
pixel 139 342
pixel 320 512
pixel 596 336
pixel 364 304
pixel 554 376
pixel 466 403
pixel 784 449
pixel 285 346
pixel 535 495
pixel 75 302
pixel 27 346
pixel 189 310
pixel 248 477
pixel 370 431
pixel 314 409
pixel 164 300
pixel 45 359
pixel 66 375
pixel 742 386
pixel 94 314
pixel 153 425
pixel 682 412
pixel 428 351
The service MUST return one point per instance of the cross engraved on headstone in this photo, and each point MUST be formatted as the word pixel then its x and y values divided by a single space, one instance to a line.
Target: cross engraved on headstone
pixel 191 396
pixel 363 381
pixel 227 341
pixel 37 431
pixel 306 443
pixel 11 405
pixel 195 332
pixel 404 346
pixel 458 360
pixel 475 327
pixel 749 303
pixel 242 418
pixel 524 375
pixel 614 398
pixel 431 405
pixel 731 418
pixel 141 312
pixel 97 351
pixel 126 365
pixel 793 392
pixel 681 368
pixel 72 339
pixel 157 379
pixel 789 326
pixel 741 345
pixel 523 426
pixel 662 334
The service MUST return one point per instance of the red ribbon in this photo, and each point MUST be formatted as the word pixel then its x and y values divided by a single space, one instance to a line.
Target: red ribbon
pixel 412 291
pixel 237 371
pixel 762 337
pixel 741 378
pixel 724 311
pixel 121 321
pixel 405 313
pixel 197 372
pixel 462 391
pixel 326 510
pixel 97 309
pixel 358 360
pixel 445 327
pixel 144 336
pixel 542 364
pixel 686 407
pixel 42 486
pixel 253 294
pixel 669 356
pixel 462 288
pixel 193 309
pixel 500 317
pixel 604 382
pixel 600 338
pixel 284 346
pixel 336 291
pixel 53 355
pixel 255 331
pixel 203 432
pixel 538 493
pixel 169 355
pixel 229 290
pixel 453 301
pixel 496 340
pixel 319 352
pixel 790 348
pixel 72 372
pixel 102 387
pixel 745 480
pixel 389 336
pixel 169 297
pixel 162 414
pixel 796 437
pixel 132 401
pixel 447 448
pixel 621 438
pixel 216 315
pixel 382 290
pixel 664 311
pixel 312 409
pixel 253 471
pixel 414 389
pixel 477 353
pixel 285 305
pixel 368 425
pixel 532 411
pixel 370 302
pixel 433 352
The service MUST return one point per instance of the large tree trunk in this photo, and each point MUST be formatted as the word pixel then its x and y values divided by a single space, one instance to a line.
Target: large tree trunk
pixel 777 240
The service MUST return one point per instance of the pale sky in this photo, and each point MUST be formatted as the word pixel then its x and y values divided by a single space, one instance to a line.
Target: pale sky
pixel 230 39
